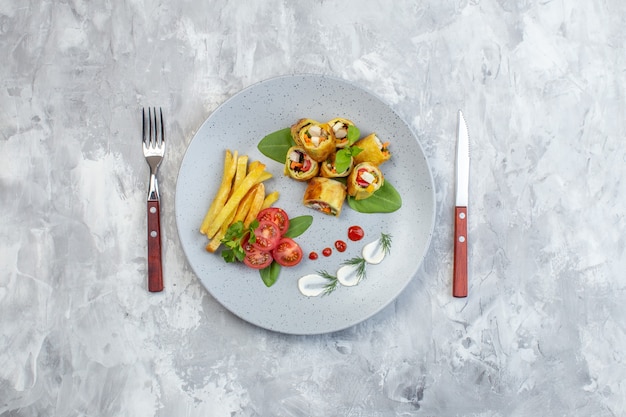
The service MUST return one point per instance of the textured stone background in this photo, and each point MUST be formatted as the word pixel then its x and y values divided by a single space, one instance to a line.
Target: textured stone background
pixel 542 84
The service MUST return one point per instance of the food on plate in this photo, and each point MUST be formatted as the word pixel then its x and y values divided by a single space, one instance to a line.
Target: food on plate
pixel 299 165
pixel 287 252
pixel 246 213
pixel 298 126
pixel 277 216
pixel 339 126
pixel 328 168
pixel 364 180
pixel 373 151
pixel 348 150
pixel 230 167
pixel 318 140
pixel 325 194
pixel 266 244
pixel 240 197
pixel 270 199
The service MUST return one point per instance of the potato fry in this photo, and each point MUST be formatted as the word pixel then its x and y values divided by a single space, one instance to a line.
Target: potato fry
pixel 265 176
pixel 257 202
pixel 240 174
pixel 253 165
pixel 216 241
pixel 233 202
pixel 239 214
pixel 223 191
pixel 270 199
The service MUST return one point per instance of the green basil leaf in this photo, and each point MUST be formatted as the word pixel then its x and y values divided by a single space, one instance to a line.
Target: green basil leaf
pixel 269 275
pixel 276 144
pixel 385 200
pixel 353 134
pixel 355 150
pixel 342 160
pixel 298 225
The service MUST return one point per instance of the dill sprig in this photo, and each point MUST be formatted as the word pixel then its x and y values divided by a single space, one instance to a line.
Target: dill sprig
pixel 332 282
pixel 360 264
pixel 385 242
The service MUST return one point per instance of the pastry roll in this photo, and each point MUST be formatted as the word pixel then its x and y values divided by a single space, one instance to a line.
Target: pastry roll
pixel 364 180
pixel 318 140
pixel 328 168
pixel 326 195
pixel 298 126
pixel 373 150
pixel 339 127
pixel 299 165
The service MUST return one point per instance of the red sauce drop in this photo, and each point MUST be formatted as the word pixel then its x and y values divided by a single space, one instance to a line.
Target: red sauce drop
pixel 340 245
pixel 313 256
pixel 327 252
pixel 355 233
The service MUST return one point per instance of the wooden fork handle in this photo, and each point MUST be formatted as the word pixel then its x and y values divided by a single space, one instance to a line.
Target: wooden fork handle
pixel 155 269
pixel 459 279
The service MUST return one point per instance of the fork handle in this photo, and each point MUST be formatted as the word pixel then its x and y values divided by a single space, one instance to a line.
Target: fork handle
pixel 155 269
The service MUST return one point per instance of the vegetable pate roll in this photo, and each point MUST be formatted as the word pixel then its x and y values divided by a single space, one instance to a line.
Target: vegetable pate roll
pixel 364 180
pixel 339 126
pixel 325 195
pixel 299 165
pixel 373 150
pixel 318 140
pixel 298 126
pixel 328 168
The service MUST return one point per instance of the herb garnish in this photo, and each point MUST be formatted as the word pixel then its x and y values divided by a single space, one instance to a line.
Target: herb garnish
pixel 233 238
pixel 343 156
pixel 332 282
pixel 385 242
pixel 359 263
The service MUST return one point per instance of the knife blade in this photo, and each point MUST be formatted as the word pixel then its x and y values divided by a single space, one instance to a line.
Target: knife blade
pixel 459 279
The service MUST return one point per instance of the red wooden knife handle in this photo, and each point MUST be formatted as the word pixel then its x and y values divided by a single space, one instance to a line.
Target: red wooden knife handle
pixel 459 280
pixel 155 269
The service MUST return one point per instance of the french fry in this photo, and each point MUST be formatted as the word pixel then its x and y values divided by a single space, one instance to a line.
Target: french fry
pixel 233 202
pixel 216 241
pixel 223 191
pixel 253 165
pixel 239 214
pixel 265 176
pixel 240 174
pixel 256 203
pixel 270 199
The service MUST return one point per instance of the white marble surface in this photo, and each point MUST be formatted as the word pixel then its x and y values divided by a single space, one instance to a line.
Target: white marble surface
pixel 542 85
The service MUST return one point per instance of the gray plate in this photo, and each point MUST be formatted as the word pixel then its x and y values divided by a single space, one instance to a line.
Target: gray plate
pixel 239 124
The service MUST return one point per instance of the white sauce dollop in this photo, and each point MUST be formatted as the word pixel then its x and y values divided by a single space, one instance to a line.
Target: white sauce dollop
pixel 373 252
pixel 347 275
pixel 312 285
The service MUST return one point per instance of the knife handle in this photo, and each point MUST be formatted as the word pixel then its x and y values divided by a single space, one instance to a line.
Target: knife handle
pixel 459 279
pixel 155 269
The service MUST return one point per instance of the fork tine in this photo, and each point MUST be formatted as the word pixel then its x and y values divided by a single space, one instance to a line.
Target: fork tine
pixel 162 138
pixel 143 125
pixel 152 128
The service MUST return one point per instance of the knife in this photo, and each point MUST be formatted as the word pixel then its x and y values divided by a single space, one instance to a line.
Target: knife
pixel 459 279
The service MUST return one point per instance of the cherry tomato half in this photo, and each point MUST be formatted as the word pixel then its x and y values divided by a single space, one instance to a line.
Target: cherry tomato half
pixel 258 259
pixel 287 252
pixel 275 215
pixel 267 235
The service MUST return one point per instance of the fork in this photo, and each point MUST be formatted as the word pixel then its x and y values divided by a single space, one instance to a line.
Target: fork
pixel 154 150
